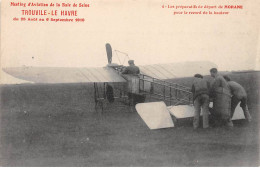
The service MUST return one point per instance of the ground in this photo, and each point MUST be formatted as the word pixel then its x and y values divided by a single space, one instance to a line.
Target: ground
pixel 56 125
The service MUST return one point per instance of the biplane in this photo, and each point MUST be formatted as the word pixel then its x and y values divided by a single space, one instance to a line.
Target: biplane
pixel 154 83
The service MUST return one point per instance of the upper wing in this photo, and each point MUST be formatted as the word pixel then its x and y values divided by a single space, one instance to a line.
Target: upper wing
pixel 106 74
pixel 177 70
pixel 64 75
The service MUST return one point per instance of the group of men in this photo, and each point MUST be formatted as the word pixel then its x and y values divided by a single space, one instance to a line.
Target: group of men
pixel 225 94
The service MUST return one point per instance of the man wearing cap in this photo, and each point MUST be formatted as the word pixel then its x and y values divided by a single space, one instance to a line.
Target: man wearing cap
pixel 219 80
pixel 200 91
pixel 221 98
pixel 130 74
pixel 238 95
pixel 131 69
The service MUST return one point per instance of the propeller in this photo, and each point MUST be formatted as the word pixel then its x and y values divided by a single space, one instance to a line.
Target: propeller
pixel 109 53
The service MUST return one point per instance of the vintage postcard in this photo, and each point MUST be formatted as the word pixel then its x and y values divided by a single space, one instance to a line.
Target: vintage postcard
pixel 119 83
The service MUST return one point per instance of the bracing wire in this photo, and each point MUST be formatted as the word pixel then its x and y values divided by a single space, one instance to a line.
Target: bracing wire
pixel 118 58
pixel 126 55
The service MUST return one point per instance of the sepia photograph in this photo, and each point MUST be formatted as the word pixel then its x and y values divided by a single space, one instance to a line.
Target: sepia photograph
pixel 129 83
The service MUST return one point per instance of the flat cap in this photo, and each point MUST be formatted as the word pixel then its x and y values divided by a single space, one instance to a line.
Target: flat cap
pixel 131 61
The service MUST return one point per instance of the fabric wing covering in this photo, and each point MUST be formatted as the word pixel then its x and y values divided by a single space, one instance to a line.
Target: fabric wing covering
pixel 186 111
pixel 107 74
pixel 64 75
pixel 177 70
pixel 155 115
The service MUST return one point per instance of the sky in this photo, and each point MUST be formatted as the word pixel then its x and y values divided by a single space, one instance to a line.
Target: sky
pixel 144 30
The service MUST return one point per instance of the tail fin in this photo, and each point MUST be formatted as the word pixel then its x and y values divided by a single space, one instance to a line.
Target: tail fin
pixel 109 53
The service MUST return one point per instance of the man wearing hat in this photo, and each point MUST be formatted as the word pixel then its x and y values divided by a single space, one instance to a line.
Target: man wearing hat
pixel 130 74
pixel 200 90
pixel 131 69
pixel 221 99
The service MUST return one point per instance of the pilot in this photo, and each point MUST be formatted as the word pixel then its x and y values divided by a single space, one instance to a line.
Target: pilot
pixel 238 95
pixel 200 91
pixel 133 85
pixel 131 69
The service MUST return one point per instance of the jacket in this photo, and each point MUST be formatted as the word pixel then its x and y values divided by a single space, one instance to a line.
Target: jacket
pixel 199 86
pixel 131 70
pixel 237 90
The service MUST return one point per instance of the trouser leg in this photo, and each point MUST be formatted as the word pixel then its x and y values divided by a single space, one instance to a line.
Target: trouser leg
pixel 229 122
pixel 196 119
pixel 246 113
pixel 245 109
pixel 214 114
pixel 130 98
pixel 205 111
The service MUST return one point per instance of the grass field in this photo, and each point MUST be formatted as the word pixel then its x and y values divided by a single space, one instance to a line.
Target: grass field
pixel 56 125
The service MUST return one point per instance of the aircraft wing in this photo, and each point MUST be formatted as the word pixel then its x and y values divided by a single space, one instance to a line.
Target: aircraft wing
pixel 64 75
pixel 177 70
pixel 106 74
